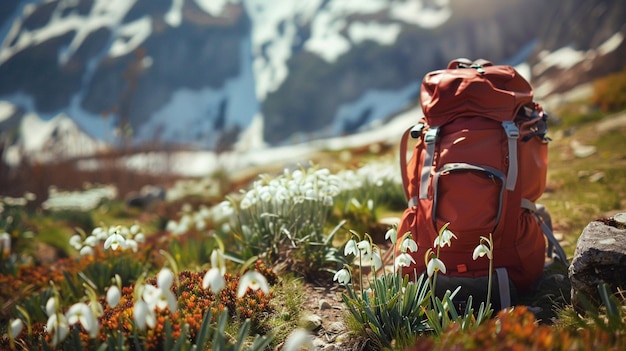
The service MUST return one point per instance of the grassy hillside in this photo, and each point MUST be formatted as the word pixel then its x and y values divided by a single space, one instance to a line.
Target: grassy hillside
pixel 295 222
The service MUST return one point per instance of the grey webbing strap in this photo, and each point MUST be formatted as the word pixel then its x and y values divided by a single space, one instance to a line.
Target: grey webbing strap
pixel 503 287
pixel 512 134
pixel 553 243
pixel 430 138
pixel 412 201
pixel 529 205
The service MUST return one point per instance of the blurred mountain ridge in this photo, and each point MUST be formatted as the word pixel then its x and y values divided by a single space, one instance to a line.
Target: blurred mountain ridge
pixel 200 73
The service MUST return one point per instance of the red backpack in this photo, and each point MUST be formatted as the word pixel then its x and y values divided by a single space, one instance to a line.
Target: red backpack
pixel 479 164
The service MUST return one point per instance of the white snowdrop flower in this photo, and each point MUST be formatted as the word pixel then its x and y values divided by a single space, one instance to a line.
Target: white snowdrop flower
pixel 100 233
pixel 310 195
pixel 297 174
pixel 115 241
pixel 370 204
pixel 76 241
pixel 121 230
pixel 351 248
pixel 15 328
pixel 218 261
pixel 246 203
pixel 253 280
pixel 342 276
pixel 51 306
pixel 281 195
pixel 213 279
pixel 81 313
pixel 200 223
pixel 5 243
pixel 144 315
pixel 480 251
pixel 275 183
pixel 96 308
pixel 165 299
pixel 408 244
pixel 372 259
pixel 165 278
pixel 328 201
pixel 322 172
pixel 140 238
pixel 333 190
pixel 392 235
pixel 404 260
pixel 135 229
pixel 265 195
pixel 204 213
pixel 299 339
pixel 132 244
pixel 86 251
pixel 435 265
pixel 444 239
pixel 225 209
pixel 113 296
pixel 91 240
pixel 58 327
pixel 171 225
pixel 149 294
pixel 185 221
pixel 365 247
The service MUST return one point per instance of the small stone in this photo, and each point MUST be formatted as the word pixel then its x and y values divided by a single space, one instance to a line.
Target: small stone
pixel 558 236
pixel 336 327
pixel 319 343
pixel 596 177
pixel 324 305
pixel 582 151
pixel 311 321
pixel 343 338
pixel 620 218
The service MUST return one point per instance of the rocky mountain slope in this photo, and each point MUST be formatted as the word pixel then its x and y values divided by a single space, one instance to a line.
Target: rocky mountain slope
pixel 200 72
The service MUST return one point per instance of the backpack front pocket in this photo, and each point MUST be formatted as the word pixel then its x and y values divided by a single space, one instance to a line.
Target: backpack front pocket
pixel 469 197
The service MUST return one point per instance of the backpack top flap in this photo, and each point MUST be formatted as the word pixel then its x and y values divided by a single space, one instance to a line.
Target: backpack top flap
pixel 495 92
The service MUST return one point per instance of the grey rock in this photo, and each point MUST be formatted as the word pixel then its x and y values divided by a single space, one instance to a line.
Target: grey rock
pixel 311 321
pixel 324 305
pixel 337 327
pixel 600 257
pixel 148 195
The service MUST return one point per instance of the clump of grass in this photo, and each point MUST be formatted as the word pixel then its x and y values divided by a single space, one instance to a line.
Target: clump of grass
pixel 287 301
pixel 610 92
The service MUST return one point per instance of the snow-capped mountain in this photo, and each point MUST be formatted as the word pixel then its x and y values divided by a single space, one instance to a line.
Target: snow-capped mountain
pixel 201 72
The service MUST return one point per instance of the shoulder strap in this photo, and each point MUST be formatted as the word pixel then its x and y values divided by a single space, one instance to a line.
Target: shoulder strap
pixel 415 132
pixel 430 139
pixel 403 164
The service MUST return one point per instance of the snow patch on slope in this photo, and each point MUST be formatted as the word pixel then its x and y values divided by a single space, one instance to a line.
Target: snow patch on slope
pixel 416 13
pixel 274 28
pixel 105 13
pixel 46 141
pixel 195 111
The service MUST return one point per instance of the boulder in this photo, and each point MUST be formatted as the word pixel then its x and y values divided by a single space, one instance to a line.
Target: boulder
pixel 600 257
pixel 148 195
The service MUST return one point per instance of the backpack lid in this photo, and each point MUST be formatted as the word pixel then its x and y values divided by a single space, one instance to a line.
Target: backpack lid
pixel 473 89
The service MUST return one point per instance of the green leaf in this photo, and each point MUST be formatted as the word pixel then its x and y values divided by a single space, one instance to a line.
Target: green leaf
pixel 168 344
pixel 203 333
pixel 243 334
pixel 611 308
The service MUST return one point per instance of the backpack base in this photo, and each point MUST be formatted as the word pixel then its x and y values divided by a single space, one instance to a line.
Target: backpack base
pixel 503 293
